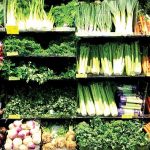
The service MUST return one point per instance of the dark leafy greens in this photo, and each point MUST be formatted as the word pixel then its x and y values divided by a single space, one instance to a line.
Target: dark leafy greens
pixel 43 101
pixel 29 47
pixel 65 14
pixel 30 72
pixel 113 135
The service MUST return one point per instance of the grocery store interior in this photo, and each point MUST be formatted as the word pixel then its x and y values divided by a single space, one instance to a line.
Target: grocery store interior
pixel 74 74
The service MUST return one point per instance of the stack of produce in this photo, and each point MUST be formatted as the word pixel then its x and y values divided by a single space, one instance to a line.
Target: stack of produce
pixel 57 137
pixel 29 15
pixel 129 101
pixel 23 136
pixel 110 59
pixel 146 61
pixel 30 72
pixel 41 101
pixel 96 99
pixel 29 47
pixel 100 16
pixel 64 15
pixel 143 24
pixel 113 135
pixel 2 136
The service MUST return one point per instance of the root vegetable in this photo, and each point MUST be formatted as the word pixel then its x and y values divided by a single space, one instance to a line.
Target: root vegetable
pixel 23 147
pixel 8 146
pixel 71 145
pixel 12 134
pixel 18 128
pixel 31 145
pixel 17 123
pixel 8 140
pixel 27 140
pixel 30 124
pixel 11 126
pixel 36 140
pixel 17 142
pixel 46 138
pixel 60 142
pixel 22 134
pixel 24 126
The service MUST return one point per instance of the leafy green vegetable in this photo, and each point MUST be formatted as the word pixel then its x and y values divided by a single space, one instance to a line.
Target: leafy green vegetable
pixel 28 46
pixel 113 135
pixel 42 101
pixel 65 14
pixel 30 72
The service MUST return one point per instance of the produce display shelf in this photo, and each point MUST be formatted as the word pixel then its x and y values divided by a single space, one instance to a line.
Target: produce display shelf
pixel 111 34
pixel 41 57
pixel 18 80
pixel 91 76
pixel 78 117
pixel 57 29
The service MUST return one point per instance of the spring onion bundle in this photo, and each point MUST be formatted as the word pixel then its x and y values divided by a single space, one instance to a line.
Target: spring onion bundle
pixel 110 59
pixel 106 59
pixel 29 15
pixel 93 17
pixel 118 59
pixel 83 60
pixel 96 99
pixel 133 59
pixel 122 12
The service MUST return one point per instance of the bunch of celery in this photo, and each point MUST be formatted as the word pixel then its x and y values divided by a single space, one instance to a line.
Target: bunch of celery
pixel 29 15
pixel 96 99
pixel 93 17
pixel 132 59
pixel 124 14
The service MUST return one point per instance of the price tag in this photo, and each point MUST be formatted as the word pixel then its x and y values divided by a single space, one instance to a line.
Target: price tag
pixel 81 75
pixel 13 78
pixel 12 29
pixel 127 116
pixel 14 117
pixel 12 53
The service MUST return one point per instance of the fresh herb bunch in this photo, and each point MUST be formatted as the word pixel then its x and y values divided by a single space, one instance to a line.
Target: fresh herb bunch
pixel 42 101
pixel 25 46
pixel 62 48
pixel 65 14
pixel 28 46
pixel 30 72
pixel 113 135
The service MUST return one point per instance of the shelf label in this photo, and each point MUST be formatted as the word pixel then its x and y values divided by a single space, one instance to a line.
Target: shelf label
pixel 12 53
pixel 12 29
pixel 81 75
pixel 11 78
pixel 127 116
pixel 14 117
